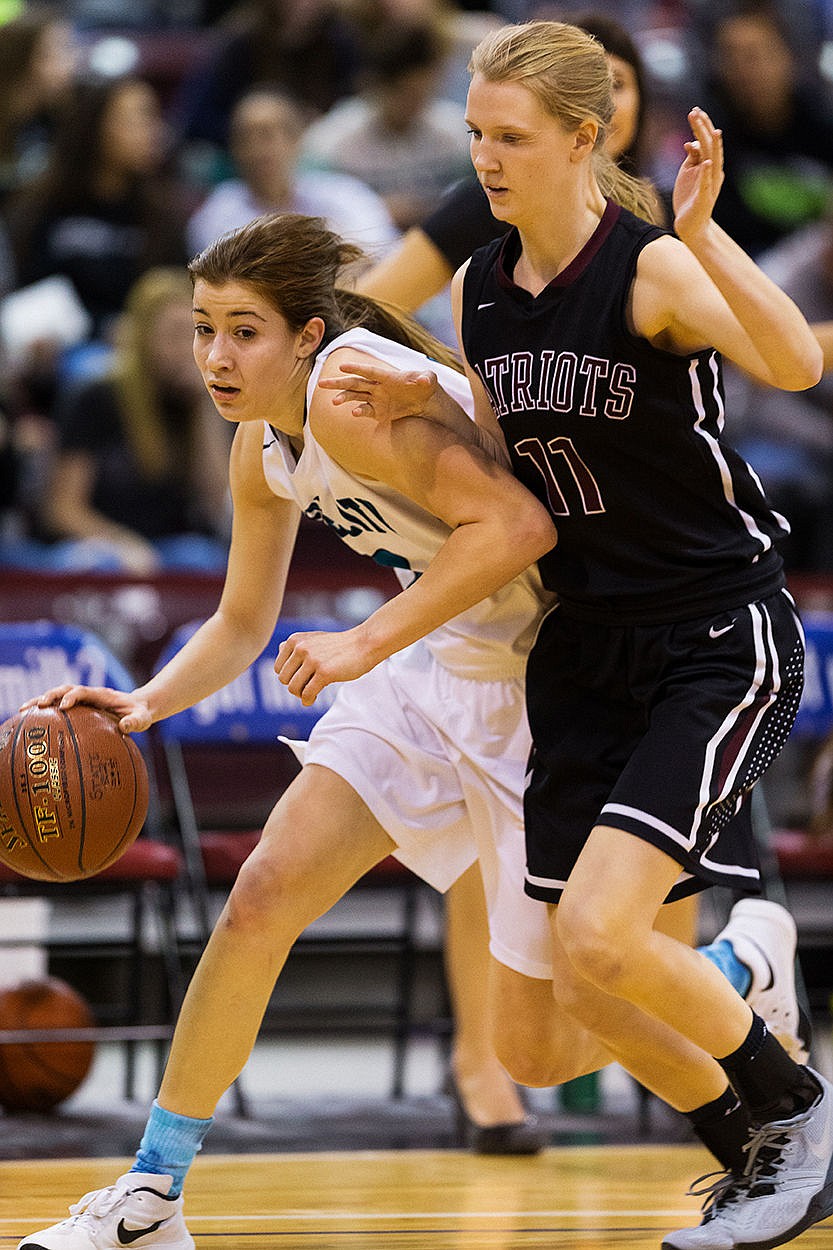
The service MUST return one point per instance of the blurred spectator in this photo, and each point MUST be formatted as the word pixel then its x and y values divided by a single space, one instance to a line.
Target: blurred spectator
pixel 143 14
pixel 398 136
pixel 104 210
pixel 626 133
pixel 788 436
pixel 265 141
pixel 140 476
pixel 369 15
pixel 777 126
pixel 306 47
pixel 8 478
pixel 38 59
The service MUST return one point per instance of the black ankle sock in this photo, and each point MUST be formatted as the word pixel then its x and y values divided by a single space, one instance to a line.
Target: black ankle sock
pixel 771 1084
pixel 723 1127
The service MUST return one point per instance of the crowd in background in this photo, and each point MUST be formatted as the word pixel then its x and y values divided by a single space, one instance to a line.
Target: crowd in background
pixel 132 132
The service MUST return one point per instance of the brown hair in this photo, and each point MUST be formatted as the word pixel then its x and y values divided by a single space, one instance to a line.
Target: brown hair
pixel 294 263
pixel 569 73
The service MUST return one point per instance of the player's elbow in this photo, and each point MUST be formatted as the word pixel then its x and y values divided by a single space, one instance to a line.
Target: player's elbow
pixel 804 369
pixel 535 533
pixel 815 364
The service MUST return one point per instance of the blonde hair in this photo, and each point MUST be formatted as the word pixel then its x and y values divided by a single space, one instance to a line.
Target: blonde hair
pixel 569 73
pixel 133 370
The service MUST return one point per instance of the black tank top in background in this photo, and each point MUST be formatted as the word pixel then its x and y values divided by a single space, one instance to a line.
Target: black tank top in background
pixel 658 518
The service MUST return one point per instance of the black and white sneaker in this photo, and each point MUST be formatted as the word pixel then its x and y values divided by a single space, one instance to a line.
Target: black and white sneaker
pixel 786 1186
pixel 135 1212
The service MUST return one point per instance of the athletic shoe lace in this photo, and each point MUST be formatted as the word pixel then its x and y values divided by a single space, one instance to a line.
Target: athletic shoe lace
pixel 718 1191
pixel 763 1151
pixel 97 1203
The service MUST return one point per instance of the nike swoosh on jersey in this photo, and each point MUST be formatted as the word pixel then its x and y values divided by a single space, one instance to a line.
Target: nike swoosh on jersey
pixel 127 1236
pixel 490 304
pixel 715 633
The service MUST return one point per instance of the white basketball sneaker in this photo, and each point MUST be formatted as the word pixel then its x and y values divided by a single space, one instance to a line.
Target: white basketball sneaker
pixel 786 1186
pixel 763 937
pixel 135 1212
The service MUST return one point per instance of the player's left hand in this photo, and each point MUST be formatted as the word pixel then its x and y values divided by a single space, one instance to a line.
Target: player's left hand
pixel 380 392
pixel 307 662
pixel 700 178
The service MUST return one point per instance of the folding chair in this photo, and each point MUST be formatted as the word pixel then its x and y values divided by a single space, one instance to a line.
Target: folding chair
pixel 35 655
pixel 224 760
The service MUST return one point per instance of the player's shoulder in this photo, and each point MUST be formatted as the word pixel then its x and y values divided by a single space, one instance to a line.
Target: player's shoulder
pixel 666 274
pixel 662 249
pixel 665 261
pixel 341 353
pixel 333 424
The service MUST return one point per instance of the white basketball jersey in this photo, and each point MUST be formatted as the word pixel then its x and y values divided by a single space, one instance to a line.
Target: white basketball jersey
pixel 490 640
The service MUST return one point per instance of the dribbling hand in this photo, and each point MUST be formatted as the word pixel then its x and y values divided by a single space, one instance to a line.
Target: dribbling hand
pixel 134 715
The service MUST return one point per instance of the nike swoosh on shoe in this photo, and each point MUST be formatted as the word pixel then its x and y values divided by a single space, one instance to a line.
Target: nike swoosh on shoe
pixel 127 1235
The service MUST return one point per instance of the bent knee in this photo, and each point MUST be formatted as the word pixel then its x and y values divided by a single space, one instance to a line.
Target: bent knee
pixel 546 1057
pixel 525 1063
pixel 596 953
pixel 264 896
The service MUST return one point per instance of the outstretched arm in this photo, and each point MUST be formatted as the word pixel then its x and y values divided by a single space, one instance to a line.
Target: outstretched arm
pixel 387 394
pixel 709 293
pixel 221 649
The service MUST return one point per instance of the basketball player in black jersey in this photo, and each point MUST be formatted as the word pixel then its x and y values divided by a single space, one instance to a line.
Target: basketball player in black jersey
pixel 669 675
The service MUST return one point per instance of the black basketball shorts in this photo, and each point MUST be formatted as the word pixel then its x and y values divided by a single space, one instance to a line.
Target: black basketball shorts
pixel 659 730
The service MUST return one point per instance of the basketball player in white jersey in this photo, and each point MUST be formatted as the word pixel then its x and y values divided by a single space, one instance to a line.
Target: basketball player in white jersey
pixel 423 756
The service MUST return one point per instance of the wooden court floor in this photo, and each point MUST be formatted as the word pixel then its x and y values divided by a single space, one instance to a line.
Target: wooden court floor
pixel 584 1197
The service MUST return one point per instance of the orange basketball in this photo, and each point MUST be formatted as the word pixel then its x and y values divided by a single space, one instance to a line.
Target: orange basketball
pixel 73 792
pixel 35 1076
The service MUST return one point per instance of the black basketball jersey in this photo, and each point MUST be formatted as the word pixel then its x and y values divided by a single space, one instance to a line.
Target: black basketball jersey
pixel 658 518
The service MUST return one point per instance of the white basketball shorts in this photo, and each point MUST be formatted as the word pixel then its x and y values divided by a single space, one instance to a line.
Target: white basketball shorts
pixel 440 761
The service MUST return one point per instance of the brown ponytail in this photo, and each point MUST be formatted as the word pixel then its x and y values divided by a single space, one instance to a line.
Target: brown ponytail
pixel 388 320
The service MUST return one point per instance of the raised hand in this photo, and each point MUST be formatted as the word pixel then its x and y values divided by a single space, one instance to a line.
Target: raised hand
pixel 700 177
pixel 134 715
pixel 381 392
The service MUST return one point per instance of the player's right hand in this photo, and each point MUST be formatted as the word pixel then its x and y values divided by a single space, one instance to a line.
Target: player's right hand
pixel 132 713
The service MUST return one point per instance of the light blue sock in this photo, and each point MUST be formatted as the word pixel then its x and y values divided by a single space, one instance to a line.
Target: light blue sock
pixel 170 1145
pixel 722 954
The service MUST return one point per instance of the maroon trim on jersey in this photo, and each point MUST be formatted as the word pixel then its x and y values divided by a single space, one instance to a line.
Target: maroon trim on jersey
pixel 576 267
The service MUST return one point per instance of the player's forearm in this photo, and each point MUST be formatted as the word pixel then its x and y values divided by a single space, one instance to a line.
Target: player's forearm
pixel 823 331
pixel 214 656
pixel 445 411
pixel 775 325
pixel 476 560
